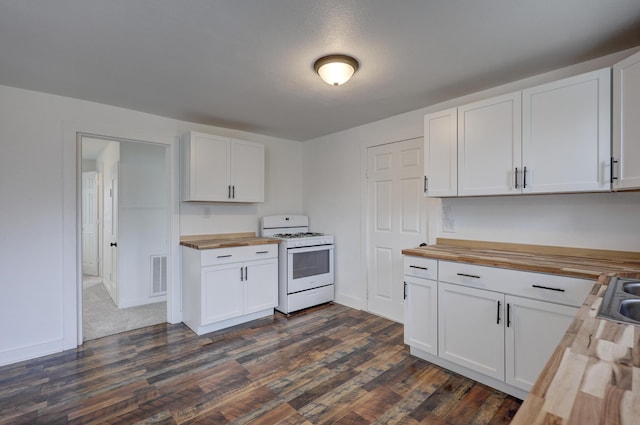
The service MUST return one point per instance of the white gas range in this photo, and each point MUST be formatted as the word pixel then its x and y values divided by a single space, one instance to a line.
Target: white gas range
pixel 306 274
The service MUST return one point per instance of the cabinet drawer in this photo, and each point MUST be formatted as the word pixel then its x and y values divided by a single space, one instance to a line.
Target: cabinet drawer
pixel 545 287
pixel 236 254
pixel 425 268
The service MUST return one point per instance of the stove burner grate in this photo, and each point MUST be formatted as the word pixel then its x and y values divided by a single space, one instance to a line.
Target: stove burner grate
pixel 297 235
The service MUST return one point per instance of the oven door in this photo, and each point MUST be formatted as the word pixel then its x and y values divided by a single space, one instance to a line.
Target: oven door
pixel 309 267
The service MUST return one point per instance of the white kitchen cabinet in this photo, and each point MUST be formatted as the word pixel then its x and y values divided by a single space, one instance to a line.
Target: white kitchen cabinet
pixel 227 286
pixel 566 135
pixel 496 326
pixel 470 331
pixel 626 124
pixel 489 146
pixel 220 169
pixel 533 330
pixel 441 153
pixel 421 304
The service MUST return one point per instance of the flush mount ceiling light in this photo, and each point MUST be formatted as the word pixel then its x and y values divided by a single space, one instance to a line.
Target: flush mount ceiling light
pixel 336 69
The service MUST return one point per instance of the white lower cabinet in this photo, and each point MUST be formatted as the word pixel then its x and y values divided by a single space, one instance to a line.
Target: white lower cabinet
pixel 533 331
pixel 470 328
pixel 496 326
pixel 421 304
pixel 421 314
pixel 226 287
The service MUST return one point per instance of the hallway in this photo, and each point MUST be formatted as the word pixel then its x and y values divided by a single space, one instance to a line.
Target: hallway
pixel 100 316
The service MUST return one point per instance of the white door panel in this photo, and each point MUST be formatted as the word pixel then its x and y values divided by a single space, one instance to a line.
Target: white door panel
pixel 90 223
pixel 396 220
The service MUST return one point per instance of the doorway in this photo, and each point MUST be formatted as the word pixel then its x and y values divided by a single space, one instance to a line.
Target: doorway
pixel 396 219
pixel 125 235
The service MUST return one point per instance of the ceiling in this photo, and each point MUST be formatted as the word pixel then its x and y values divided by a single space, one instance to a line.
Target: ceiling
pixel 248 64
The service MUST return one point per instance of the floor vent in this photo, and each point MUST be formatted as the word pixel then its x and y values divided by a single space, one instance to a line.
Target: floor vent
pixel 158 275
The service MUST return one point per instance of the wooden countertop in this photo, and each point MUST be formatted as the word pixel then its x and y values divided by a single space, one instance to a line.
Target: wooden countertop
pixel 575 262
pixel 593 376
pixel 225 240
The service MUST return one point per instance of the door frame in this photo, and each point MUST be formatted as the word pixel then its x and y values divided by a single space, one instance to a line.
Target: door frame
pixel 73 301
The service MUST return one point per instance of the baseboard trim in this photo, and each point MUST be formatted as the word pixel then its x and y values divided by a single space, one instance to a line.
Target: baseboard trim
pixel 31 352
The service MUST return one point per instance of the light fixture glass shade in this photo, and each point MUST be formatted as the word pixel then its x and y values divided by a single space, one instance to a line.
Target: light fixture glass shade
pixel 336 69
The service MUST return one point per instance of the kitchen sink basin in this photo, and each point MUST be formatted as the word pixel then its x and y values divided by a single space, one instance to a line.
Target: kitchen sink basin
pixel 621 301
pixel 632 288
pixel 630 309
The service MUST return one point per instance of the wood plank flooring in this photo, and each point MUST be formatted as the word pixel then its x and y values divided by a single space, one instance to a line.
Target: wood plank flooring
pixel 327 365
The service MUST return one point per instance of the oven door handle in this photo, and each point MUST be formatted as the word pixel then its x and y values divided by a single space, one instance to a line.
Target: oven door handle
pixel 309 248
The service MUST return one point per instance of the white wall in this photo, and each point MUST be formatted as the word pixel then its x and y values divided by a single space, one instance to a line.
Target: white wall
pixel 335 196
pixel 38 186
pixel 143 230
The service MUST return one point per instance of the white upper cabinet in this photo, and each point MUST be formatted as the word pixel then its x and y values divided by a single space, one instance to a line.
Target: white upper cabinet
pixel 626 123
pixel 441 153
pixel 489 146
pixel 247 168
pixel 566 142
pixel 220 169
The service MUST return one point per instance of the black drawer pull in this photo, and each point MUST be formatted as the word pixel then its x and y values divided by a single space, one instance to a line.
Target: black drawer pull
pixel 224 256
pixel 468 275
pixel 418 267
pixel 262 252
pixel 498 314
pixel 548 288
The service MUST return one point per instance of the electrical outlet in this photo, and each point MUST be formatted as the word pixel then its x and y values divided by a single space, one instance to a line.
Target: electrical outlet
pixel 207 212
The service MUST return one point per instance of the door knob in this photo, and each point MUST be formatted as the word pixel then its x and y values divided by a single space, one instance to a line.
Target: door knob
pixel 114 244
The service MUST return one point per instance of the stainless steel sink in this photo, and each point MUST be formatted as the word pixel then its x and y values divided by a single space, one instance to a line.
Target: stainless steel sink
pixel 632 288
pixel 630 309
pixel 621 301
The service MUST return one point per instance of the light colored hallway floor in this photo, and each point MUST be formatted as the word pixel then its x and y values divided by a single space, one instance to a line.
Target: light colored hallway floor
pixel 101 317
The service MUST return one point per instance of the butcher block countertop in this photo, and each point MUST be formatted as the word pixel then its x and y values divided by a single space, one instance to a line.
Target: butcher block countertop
pixel 593 376
pixel 225 240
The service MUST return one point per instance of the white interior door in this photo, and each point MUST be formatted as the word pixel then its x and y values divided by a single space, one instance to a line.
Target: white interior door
pixel 396 219
pixel 90 223
pixel 110 229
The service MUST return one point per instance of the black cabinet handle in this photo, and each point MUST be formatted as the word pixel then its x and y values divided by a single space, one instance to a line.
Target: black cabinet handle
pixel 241 275
pixel 468 275
pixel 418 267
pixel 516 178
pixel 508 314
pixel 548 288
pixel 524 178
pixel 113 244
pixel 229 195
pixel 224 256
pixel 613 176
pixel 246 273
pixel 262 252
pixel 404 297
pixel 233 191
pixel 498 314
pixel 426 184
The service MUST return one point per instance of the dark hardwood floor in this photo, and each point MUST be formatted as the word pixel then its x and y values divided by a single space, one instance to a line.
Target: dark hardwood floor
pixel 329 364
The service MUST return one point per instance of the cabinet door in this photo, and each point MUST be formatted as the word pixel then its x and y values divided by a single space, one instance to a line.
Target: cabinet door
pixel 533 331
pixel 206 166
pixel 626 125
pixel 222 296
pixel 441 153
pixel 489 146
pixel 470 328
pixel 566 134
pixel 421 314
pixel 247 165
pixel 261 282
